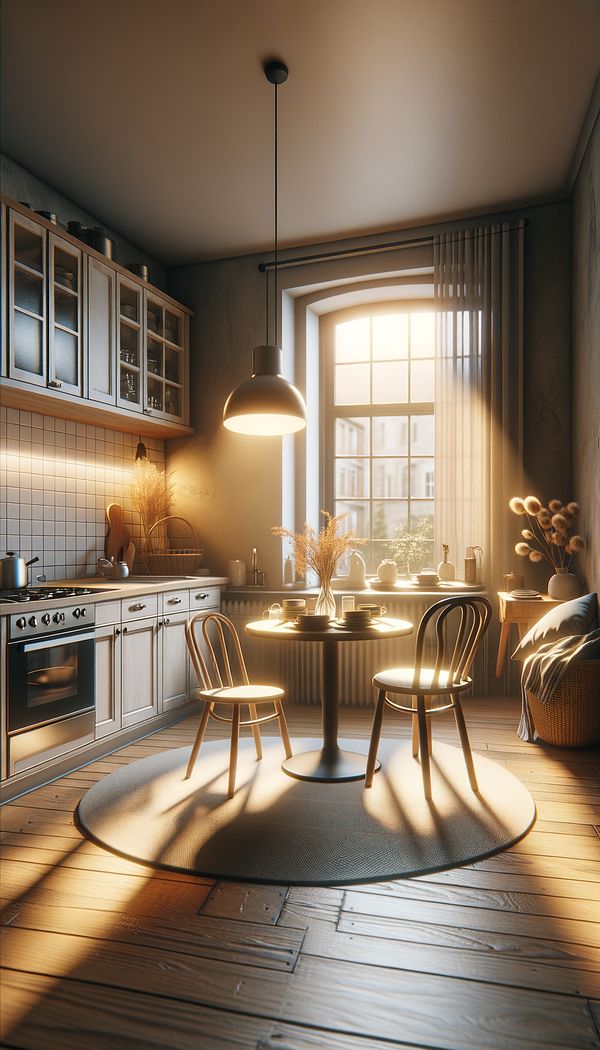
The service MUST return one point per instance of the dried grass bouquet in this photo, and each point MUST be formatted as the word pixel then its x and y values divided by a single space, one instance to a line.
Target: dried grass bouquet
pixel 550 534
pixel 151 493
pixel 320 551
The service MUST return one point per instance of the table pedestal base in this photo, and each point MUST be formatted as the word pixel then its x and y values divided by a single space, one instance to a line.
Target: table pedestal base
pixel 327 765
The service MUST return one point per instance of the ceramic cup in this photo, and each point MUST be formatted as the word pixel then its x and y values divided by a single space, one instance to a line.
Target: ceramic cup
pixel 273 612
pixel 373 609
pixel 347 603
pixel 292 607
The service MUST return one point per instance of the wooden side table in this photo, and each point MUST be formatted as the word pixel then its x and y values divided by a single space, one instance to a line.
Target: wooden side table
pixel 524 613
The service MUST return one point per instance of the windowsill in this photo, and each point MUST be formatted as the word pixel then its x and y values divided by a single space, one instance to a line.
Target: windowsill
pixel 403 589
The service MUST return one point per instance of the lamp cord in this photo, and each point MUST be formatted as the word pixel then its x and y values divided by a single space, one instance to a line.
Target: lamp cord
pixel 276 213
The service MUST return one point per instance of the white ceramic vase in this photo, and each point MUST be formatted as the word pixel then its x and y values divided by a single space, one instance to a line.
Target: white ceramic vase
pixel 564 585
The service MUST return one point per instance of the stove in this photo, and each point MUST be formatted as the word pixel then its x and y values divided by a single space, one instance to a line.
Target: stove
pixel 42 594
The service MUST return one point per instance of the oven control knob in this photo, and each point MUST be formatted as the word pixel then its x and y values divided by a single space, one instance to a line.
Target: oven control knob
pixel 83 611
pixel 33 621
pixel 46 619
pixel 59 617
pixel 76 613
pixel 21 623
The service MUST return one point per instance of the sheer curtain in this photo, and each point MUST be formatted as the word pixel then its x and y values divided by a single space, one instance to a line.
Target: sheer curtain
pixel 478 298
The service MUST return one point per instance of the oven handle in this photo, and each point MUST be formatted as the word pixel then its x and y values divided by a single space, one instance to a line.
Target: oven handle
pixel 61 639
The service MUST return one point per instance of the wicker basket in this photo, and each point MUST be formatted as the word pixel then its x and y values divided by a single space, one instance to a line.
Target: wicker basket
pixel 172 561
pixel 572 717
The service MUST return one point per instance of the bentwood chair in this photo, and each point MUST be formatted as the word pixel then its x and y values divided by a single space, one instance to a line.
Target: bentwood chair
pixel 219 664
pixel 438 688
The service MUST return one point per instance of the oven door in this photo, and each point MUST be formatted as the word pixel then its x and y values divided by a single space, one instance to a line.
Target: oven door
pixel 50 679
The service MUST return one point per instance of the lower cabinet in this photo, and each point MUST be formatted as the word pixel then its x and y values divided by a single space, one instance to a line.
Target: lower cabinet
pixel 108 680
pixel 174 662
pixel 143 667
pixel 139 671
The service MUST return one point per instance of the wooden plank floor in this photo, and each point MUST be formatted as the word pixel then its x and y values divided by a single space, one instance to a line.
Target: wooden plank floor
pixel 100 952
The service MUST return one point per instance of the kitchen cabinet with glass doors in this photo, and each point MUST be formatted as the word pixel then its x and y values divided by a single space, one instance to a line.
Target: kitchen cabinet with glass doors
pixel 45 305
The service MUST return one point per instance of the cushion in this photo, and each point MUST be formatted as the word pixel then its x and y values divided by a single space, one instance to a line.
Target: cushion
pixel 579 616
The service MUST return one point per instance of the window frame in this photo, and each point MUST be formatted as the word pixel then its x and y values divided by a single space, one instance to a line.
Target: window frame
pixel 329 412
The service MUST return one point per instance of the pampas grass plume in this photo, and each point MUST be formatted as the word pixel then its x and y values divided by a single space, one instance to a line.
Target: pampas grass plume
pixel 555 505
pixel 527 534
pixel 516 505
pixel 532 504
pixel 535 555
pixel 522 549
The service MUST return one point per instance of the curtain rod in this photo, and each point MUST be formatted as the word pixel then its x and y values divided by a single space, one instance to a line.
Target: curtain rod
pixel 370 249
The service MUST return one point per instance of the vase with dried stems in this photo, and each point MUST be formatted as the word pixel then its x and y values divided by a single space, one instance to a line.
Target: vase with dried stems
pixel 551 537
pixel 151 493
pixel 321 551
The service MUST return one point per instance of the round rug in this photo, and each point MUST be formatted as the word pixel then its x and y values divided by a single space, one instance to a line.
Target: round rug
pixel 294 832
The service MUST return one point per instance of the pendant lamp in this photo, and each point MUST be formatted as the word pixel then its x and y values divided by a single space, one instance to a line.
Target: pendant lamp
pixel 266 404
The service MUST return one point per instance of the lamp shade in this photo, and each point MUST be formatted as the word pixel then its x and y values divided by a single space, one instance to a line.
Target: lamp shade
pixel 266 404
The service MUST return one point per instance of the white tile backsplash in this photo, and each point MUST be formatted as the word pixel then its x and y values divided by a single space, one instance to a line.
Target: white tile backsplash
pixel 57 478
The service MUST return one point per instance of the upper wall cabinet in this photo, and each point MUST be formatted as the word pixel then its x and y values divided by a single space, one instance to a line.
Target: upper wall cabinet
pixel 85 338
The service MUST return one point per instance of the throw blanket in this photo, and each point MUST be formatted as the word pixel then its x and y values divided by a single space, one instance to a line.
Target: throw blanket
pixel 544 669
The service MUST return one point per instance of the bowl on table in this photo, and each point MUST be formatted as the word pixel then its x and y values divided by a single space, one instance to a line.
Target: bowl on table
pixel 313 621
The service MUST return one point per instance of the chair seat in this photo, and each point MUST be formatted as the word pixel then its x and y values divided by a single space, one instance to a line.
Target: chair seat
pixel 242 694
pixel 402 680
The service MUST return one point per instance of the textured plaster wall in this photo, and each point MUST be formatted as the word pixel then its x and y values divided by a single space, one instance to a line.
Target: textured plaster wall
pixel 22 185
pixel 586 355
pixel 230 486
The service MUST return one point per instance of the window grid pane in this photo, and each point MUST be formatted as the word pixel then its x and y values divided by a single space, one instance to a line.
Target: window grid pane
pixel 383 464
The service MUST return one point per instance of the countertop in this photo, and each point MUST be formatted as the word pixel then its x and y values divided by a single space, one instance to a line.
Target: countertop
pixel 106 589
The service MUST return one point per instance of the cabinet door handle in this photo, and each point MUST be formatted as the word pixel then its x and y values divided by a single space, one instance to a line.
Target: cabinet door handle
pixel 199 597
pixel 57 383
pixel 124 630
pixel 137 607
pixel 118 631
pixel 166 622
pixel 160 623
pixel 174 601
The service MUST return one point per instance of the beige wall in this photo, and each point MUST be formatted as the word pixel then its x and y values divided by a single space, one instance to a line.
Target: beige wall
pixel 230 486
pixel 586 355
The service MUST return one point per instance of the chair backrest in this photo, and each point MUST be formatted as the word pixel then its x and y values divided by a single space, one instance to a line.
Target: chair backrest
pixel 218 659
pixel 471 617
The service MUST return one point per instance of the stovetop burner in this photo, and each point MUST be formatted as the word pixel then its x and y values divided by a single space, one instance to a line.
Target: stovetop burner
pixel 37 594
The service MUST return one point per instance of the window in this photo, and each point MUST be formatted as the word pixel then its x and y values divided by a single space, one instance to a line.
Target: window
pixel 379 427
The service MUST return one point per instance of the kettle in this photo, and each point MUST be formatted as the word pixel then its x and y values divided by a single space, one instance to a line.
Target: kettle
pixel 13 571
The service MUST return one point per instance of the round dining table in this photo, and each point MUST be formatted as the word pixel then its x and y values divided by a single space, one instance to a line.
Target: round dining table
pixel 329 763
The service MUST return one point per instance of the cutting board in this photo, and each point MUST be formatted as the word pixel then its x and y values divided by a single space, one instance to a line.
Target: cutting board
pixel 117 537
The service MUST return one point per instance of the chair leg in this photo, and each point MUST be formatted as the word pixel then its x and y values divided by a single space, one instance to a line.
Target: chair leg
pixel 256 732
pixel 198 740
pixel 429 736
pixel 375 735
pixel 424 746
pixel 233 752
pixel 464 742
pixel 283 729
pixel 415 729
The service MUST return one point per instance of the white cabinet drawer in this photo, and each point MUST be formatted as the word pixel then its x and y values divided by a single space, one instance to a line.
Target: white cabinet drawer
pixel 144 605
pixel 108 612
pixel 175 601
pixel 205 598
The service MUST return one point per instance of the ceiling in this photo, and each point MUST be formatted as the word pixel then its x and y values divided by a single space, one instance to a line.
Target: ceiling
pixel 154 115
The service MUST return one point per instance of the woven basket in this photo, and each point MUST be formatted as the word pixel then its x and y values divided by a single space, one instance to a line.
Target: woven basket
pixel 172 561
pixel 572 717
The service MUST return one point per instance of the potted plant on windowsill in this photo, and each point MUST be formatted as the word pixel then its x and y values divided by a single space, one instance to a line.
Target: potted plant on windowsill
pixel 551 537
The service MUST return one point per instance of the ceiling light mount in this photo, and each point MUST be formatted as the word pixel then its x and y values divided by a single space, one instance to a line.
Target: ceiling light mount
pixel 266 404
pixel 276 72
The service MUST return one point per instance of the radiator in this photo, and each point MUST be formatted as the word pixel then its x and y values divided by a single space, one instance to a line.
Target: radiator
pixel 296 666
